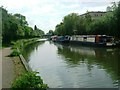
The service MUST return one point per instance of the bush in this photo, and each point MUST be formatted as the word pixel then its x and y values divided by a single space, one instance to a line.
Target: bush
pixel 12 43
pixel 29 80
pixel 14 47
pixel 15 53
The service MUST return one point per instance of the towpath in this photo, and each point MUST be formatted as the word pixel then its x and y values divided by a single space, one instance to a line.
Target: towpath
pixel 7 70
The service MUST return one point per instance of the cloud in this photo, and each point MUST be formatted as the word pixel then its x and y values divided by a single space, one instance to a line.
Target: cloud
pixel 46 14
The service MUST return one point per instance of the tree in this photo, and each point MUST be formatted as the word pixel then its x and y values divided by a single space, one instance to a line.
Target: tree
pixel 21 19
pixel 117 20
pixel 70 23
pixel 114 6
pixel 35 27
pixel 80 26
pixel 51 32
pixel 87 22
pixel 109 9
pixel 28 31
pixel 73 24
pixel 59 29
pixel 9 27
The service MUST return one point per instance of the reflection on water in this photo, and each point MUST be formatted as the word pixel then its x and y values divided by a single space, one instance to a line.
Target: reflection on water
pixel 106 59
pixel 70 66
pixel 27 50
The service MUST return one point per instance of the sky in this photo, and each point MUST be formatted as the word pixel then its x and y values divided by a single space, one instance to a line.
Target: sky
pixel 46 14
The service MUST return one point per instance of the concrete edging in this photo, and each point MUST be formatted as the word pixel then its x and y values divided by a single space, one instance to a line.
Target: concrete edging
pixel 27 67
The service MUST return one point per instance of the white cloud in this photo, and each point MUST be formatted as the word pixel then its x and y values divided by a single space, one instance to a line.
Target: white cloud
pixel 46 14
pixel 77 1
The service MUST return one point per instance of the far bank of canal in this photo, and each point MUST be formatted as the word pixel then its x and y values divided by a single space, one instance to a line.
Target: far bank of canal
pixel 66 66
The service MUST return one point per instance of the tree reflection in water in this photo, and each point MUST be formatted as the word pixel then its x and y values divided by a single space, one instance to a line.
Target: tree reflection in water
pixel 103 58
pixel 27 50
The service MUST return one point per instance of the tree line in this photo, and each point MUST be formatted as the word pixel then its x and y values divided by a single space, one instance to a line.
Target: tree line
pixel 16 27
pixel 108 24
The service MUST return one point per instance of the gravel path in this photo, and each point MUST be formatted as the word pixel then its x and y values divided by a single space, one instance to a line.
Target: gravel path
pixel 8 73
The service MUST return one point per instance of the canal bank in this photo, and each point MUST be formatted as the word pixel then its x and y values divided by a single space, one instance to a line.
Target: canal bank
pixel 12 67
pixel 29 79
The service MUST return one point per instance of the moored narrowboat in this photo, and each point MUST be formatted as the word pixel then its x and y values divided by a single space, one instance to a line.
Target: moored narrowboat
pixel 61 39
pixel 54 38
pixel 94 40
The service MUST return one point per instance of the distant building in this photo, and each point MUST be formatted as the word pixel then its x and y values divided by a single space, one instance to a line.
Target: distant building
pixel 94 14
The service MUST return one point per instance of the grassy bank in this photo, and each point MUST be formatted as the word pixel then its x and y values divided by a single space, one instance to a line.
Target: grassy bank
pixel 24 78
pixel 19 67
pixel 22 43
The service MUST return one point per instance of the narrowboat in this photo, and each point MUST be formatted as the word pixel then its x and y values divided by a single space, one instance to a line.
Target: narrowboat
pixel 54 38
pixel 61 39
pixel 94 40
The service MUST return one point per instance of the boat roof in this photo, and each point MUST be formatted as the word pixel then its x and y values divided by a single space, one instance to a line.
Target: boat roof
pixel 54 36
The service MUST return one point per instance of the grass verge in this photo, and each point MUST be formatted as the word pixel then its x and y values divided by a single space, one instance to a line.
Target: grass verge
pixel 19 68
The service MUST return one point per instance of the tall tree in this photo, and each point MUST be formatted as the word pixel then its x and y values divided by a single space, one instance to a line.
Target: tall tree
pixel 35 27
pixel 117 20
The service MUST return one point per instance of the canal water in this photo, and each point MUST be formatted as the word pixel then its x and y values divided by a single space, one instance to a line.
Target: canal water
pixel 72 66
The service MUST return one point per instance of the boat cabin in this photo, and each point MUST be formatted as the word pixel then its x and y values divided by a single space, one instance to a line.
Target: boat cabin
pixel 93 39
pixel 54 38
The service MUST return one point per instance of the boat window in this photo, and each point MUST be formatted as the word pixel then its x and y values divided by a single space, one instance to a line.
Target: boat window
pixel 85 37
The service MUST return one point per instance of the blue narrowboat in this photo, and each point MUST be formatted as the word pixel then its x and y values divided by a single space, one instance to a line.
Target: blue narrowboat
pixel 61 39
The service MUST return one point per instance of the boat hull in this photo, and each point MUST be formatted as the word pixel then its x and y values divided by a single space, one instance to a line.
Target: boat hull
pixel 92 44
pixel 62 41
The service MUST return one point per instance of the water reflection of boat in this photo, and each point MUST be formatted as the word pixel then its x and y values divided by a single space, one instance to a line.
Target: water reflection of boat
pixel 83 51
pixel 44 39
pixel 87 51
pixel 102 58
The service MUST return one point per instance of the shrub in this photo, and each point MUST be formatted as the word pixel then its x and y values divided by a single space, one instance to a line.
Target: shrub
pixel 29 80
pixel 15 53
pixel 12 43
pixel 14 47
